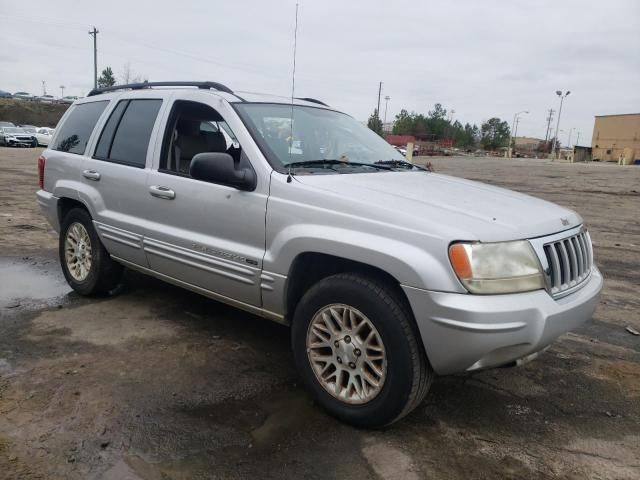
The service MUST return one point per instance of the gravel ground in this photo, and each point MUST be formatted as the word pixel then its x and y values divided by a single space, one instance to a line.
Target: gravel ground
pixel 156 382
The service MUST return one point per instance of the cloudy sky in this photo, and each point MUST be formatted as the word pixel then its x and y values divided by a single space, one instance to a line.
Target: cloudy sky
pixel 480 58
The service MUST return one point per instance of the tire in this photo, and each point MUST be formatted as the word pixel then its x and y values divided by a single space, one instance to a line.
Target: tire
pixel 408 373
pixel 100 274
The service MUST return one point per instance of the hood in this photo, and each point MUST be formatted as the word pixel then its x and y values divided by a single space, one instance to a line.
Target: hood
pixel 445 206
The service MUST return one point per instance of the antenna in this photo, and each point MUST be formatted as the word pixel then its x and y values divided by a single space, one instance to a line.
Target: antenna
pixel 293 90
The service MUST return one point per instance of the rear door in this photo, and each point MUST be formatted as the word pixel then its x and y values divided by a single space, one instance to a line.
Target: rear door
pixel 115 175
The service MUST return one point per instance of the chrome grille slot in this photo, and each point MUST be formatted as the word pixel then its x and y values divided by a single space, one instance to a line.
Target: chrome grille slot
pixel 569 262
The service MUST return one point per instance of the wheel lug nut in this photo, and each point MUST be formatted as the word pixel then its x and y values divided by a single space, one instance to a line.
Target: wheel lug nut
pixel 336 344
pixel 339 360
pixel 352 365
pixel 347 339
pixel 357 352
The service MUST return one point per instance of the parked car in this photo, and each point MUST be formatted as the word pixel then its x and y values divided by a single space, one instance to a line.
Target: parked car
pixel 403 150
pixel 4 94
pixel 23 96
pixel 68 99
pixel 29 128
pixel 6 124
pixel 387 273
pixel 16 137
pixel 43 136
pixel 46 99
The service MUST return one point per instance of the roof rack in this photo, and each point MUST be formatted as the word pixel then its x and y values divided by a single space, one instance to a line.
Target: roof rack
pixel 139 86
pixel 311 100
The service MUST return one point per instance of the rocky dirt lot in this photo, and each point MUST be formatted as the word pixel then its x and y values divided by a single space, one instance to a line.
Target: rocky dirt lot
pixel 155 382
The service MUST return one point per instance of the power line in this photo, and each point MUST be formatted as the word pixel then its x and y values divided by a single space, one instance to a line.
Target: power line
pixel 141 42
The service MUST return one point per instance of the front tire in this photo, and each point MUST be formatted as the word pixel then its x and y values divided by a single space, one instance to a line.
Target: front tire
pixel 357 350
pixel 86 264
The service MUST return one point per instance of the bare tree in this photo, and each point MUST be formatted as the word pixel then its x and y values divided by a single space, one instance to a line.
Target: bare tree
pixel 127 73
pixel 130 76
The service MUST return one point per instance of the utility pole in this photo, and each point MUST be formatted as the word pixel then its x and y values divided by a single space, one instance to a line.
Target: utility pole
pixel 511 131
pixel 578 140
pixel 549 118
pixel 44 87
pixel 555 138
pixel 61 91
pixel 94 34
pixel 515 132
pixel 379 92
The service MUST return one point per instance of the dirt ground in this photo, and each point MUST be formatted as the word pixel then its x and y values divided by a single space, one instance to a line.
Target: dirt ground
pixel 156 382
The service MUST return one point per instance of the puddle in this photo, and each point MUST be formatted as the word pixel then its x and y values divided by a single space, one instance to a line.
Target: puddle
pixel 22 281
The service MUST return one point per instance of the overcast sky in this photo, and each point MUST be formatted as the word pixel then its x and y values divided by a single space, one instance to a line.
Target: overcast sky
pixel 479 58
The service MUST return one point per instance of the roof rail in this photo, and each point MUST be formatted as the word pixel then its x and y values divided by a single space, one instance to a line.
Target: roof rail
pixel 139 86
pixel 311 100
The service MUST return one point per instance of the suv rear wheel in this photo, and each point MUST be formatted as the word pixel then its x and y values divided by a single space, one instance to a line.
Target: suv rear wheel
pixel 85 262
pixel 355 346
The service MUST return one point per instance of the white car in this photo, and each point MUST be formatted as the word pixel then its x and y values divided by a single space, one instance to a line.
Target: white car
pixel 45 99
pixel 43 136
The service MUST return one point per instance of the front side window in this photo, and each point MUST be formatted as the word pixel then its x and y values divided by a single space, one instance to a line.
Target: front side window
pixel 301 135
pixel 75 131
pixel 195 128
pixel 126 135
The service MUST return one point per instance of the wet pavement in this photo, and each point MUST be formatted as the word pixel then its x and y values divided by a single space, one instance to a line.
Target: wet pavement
pixel 155 382
pixel 26 281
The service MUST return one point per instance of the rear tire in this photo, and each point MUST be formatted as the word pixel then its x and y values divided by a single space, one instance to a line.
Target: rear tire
pixel 86 264
pixel 361 394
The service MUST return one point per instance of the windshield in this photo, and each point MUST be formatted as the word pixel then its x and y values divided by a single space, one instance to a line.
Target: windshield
pixel 13 130
pixel 315 135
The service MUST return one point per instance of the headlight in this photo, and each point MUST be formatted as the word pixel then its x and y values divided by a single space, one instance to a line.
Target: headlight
pixel 505 267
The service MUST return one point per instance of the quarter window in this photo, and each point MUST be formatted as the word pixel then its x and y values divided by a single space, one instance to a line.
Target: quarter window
pixel 76 130
pixel 125 137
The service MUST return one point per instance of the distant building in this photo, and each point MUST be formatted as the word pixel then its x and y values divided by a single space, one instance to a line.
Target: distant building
pixel 400 140
pixel 616 138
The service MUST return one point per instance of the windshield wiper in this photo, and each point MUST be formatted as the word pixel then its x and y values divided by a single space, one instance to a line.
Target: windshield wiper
pixel 398 163
pixel 328 162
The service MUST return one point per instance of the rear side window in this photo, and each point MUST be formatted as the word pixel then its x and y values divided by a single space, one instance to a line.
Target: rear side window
pixel 76 130
pixel 125 137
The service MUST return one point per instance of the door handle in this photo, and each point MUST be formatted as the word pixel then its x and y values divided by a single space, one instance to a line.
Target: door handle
pixel 162 192
pixel 91 175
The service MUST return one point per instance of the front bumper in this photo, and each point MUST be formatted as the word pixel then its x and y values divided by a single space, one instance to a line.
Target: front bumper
pixel 463 332
pixel 19 142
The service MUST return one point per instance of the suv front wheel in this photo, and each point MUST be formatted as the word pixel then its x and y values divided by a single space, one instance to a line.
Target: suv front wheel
pixel 356 348
pixel 85 262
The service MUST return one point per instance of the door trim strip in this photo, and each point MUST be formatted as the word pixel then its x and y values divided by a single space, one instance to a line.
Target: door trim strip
pixel 276 317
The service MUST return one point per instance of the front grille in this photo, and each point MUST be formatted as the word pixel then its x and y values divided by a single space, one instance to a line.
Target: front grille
pixel 570 260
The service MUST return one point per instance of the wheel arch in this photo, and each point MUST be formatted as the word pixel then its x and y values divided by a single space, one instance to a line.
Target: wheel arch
pixel 310 267
pixel 66 204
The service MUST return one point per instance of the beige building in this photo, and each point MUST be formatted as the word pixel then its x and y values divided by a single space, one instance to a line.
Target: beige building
pixel 616 138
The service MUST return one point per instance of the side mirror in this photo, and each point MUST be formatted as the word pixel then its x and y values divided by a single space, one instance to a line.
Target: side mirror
pixel 215 167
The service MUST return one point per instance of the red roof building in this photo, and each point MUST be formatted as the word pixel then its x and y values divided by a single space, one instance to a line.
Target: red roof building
pixel 400 140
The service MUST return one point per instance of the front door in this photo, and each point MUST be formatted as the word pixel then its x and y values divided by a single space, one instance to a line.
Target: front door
pixel 203 234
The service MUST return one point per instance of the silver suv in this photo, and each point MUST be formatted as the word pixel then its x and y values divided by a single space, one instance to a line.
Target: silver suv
pixel 387 273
